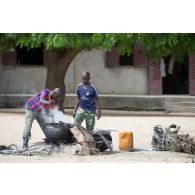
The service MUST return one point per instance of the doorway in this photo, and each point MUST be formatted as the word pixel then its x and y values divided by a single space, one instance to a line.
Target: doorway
pixel 177 82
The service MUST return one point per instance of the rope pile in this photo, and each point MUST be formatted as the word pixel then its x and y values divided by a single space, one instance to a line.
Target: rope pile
pixel 170 140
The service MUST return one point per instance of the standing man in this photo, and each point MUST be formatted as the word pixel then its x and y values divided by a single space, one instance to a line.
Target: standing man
pixel 87 103
pixel 44 100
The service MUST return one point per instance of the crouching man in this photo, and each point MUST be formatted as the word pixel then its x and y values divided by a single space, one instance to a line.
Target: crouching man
pixel 42 101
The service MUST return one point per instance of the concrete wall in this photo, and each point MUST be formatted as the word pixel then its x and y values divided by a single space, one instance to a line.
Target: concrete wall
pixel 123 80
pixel 127 80
pixel 21 80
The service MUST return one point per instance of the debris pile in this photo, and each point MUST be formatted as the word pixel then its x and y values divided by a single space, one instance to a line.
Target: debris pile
pixel 34 150
pixel 85 143
pixel 170 140
pixel 44 149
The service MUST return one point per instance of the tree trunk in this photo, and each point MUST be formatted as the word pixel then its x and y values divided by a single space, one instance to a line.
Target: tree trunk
pixel 56 72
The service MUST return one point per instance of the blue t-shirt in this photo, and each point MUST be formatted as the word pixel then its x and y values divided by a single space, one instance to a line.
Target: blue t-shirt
pixel 87 97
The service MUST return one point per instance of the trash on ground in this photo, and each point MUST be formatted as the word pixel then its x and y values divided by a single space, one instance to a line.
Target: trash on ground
pixel 169 139
pixel 63 138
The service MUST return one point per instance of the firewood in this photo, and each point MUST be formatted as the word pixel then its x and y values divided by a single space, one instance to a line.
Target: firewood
pixel 169 139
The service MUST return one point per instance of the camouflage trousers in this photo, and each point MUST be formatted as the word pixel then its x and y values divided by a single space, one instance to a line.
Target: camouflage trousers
pixel 88 116
pixel 30 116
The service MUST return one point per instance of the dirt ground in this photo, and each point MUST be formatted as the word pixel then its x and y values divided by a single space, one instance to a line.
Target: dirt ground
pixel 12 124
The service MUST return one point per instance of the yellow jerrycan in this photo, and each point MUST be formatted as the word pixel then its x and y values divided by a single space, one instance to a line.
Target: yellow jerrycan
pixel 126 140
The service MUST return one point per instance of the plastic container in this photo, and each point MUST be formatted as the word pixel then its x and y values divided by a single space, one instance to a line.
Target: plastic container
pixel 126 140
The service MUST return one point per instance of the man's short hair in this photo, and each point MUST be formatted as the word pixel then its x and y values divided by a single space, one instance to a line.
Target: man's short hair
pixel 86 74
pixel 57 91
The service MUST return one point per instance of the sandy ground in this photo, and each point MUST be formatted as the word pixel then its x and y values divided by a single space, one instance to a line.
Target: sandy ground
pixel 12 124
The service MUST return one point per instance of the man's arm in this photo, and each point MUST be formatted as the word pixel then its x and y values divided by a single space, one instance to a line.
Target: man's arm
pixel 42 99
pixel 98 113
pixel 97 102
pixel 76 106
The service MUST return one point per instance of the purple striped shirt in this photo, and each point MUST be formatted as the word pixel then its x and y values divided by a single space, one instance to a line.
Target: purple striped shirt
pixel 35 104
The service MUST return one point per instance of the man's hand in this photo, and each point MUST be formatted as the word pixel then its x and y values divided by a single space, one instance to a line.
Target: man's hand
pixel 98 114
pixel 51 101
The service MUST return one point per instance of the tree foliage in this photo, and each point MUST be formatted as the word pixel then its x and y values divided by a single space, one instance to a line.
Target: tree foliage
pixel 164 44
pixel 156 44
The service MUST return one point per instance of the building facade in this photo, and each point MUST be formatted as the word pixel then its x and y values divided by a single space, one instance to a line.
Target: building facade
pixel 23 73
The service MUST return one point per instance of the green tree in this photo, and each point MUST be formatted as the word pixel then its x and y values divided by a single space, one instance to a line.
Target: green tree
pixel 159 45
pixel 64 47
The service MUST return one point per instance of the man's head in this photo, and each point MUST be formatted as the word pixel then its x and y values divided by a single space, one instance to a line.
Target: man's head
pixel 55 93
pixel 86 78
